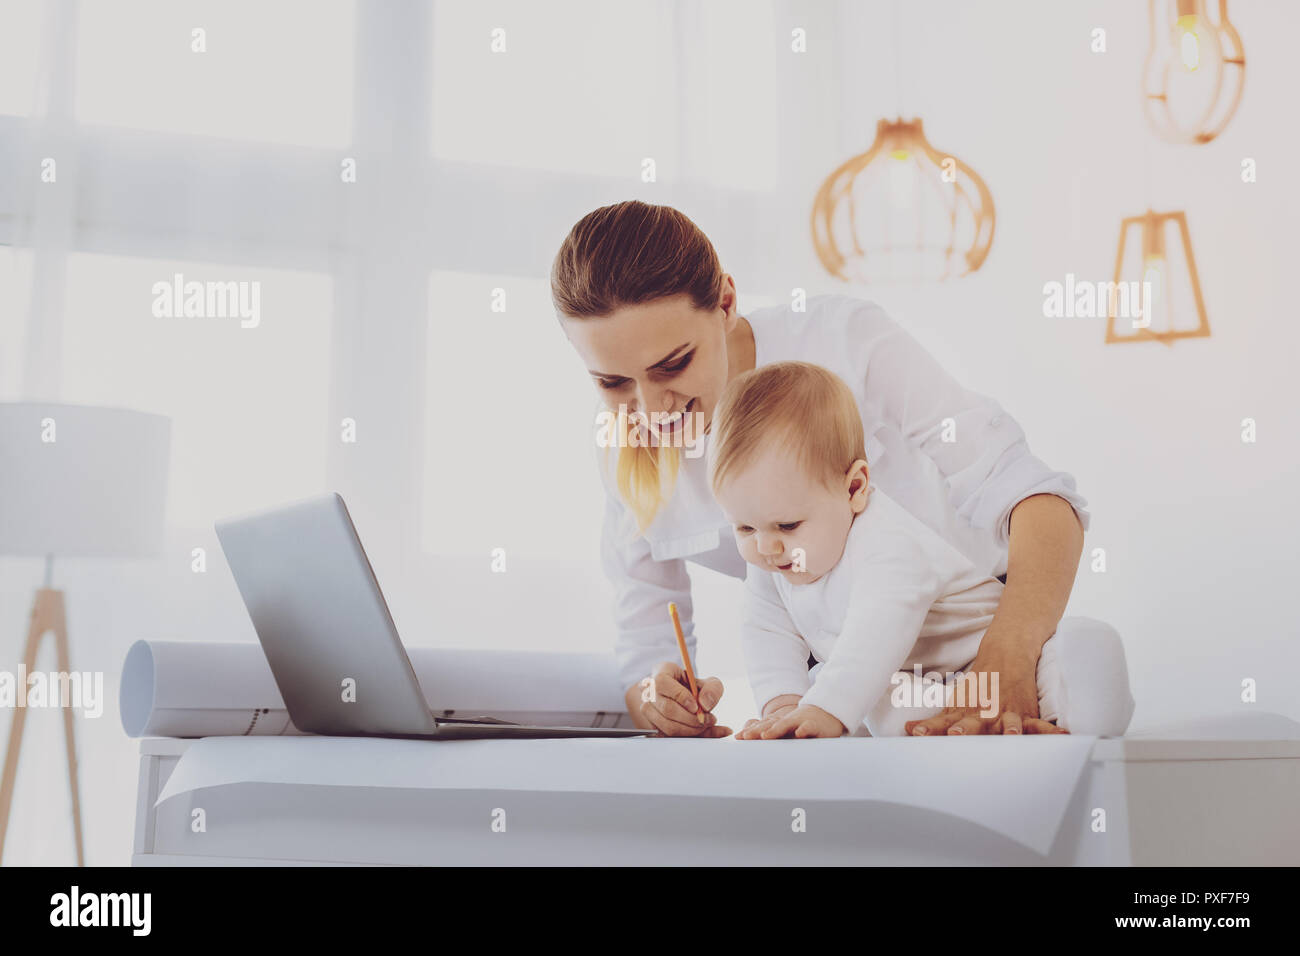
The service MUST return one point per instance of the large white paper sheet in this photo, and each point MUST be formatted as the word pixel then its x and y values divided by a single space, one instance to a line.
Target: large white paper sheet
pixel 207 689
pixel 1016 786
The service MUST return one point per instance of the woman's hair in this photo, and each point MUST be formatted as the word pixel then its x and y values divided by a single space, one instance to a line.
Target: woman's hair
pixel 626 254
pixel 806 409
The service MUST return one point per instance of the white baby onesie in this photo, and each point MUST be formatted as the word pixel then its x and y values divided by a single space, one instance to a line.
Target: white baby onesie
pixel 900 596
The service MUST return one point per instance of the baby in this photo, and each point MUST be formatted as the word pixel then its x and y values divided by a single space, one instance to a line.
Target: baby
pixel 838 568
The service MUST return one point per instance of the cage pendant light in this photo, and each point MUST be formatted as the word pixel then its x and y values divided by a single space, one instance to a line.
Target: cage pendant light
pixel 1194 73
pixel 902 210
pixel 1156 285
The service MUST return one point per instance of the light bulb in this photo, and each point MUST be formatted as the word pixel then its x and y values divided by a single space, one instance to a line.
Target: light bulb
pixel 902 179
pixel 1153 285
pixel 1188 41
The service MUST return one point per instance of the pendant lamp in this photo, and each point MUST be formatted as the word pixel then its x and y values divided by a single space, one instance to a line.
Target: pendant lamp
pixel 1195 71
pixel 902 210
pixel 1157 269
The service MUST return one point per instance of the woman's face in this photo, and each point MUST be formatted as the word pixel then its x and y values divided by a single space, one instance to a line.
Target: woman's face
pixel 664 360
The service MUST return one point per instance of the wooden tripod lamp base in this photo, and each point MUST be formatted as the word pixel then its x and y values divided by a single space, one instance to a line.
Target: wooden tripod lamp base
pixel 47 615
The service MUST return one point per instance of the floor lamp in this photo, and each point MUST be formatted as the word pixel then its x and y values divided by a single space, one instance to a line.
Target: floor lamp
pixel 76 481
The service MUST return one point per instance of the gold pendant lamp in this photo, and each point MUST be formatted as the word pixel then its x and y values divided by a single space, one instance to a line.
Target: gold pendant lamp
pixel 1195 71
pixel 1158 269
pixel 902 210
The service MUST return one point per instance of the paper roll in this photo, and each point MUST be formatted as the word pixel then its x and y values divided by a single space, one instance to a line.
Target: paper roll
pixel 214 689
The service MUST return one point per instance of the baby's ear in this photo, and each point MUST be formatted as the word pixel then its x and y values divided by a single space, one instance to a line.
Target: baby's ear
pixel 857 480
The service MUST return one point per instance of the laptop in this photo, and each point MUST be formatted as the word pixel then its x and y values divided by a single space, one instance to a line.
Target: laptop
pixel 328 634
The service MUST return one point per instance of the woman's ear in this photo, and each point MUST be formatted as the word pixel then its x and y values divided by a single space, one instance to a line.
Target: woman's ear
pixel 728 304
pixel 856 482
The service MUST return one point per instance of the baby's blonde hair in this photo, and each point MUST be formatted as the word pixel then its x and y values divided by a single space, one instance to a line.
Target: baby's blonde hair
pixel 805 408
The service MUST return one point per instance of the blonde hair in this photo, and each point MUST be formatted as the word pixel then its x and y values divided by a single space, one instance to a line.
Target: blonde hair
pixel 626 254
pixel 645 476
pixel 803 407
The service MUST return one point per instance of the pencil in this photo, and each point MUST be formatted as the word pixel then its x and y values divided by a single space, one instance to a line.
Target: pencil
pixel 686 660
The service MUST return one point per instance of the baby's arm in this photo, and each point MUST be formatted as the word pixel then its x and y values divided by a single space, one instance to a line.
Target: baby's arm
pixel 894 589
pixel 776 657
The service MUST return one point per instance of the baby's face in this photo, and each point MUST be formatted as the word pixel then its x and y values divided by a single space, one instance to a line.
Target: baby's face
pixel 786 520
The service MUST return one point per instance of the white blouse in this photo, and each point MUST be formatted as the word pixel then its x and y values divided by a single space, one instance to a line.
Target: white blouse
pixel 963 489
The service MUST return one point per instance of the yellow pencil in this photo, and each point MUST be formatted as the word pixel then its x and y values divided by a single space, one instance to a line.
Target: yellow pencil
pixel 686 660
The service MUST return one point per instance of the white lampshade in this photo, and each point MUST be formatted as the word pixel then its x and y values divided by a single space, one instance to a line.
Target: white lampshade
pixel 99 489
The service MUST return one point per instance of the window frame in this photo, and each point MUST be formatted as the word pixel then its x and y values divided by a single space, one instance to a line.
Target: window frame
pixel 123 197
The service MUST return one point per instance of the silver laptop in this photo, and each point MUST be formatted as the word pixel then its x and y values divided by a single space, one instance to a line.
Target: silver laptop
pixel 321 618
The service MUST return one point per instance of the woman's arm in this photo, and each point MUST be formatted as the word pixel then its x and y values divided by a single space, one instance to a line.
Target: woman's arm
pixel 1042 560
pixel 645 648
pixel 1043 553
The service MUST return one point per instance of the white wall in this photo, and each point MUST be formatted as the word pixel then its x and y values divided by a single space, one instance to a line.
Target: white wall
pixel 1198 532
pixel 1197 528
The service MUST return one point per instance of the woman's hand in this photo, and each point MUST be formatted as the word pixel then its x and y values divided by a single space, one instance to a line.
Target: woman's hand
pixel 1046 539
pixel 663 701
pixel 1016 700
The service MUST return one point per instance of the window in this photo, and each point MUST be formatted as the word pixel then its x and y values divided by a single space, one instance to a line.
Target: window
pixel 509 431
pixel 272 72
pixel 594 87
pixel 248 405
pixel 585 86
pixel 731 113
pixel 20 45
pixel 15 306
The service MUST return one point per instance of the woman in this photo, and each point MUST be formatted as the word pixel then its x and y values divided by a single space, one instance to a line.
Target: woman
pixel 644 301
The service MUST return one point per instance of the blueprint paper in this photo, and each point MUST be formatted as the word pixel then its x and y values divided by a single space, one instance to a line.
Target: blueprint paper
pixel 205 689
pixel 1016 786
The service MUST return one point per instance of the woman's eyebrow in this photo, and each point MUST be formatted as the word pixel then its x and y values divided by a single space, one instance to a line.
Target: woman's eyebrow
pixel 663 361
pixel 670 356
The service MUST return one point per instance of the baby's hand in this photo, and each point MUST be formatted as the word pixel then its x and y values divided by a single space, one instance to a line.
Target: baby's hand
pixel 754 727
pixel 804 720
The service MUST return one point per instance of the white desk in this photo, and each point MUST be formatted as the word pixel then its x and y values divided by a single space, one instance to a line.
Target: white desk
pixel 1222 796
